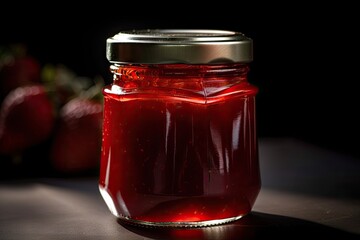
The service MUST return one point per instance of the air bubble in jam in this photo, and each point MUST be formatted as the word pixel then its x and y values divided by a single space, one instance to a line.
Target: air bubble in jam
pixel 180 150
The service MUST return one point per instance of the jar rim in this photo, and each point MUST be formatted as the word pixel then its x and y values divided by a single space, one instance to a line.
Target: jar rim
pixel 189 46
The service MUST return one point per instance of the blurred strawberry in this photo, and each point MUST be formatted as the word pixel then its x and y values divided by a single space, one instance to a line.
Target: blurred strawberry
pixel 77 141
pixel 26 119
pixel 17 69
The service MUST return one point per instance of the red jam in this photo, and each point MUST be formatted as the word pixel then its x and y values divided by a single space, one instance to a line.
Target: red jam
pixel 179 143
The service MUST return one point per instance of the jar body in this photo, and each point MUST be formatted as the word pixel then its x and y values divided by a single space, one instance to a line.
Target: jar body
pixel 179 144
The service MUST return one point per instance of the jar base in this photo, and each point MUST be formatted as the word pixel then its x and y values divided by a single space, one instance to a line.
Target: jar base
pixel 189 224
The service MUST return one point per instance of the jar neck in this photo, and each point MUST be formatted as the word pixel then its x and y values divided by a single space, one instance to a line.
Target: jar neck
pixel 153 75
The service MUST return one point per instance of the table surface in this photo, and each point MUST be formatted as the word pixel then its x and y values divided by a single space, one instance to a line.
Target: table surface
pixel 306 191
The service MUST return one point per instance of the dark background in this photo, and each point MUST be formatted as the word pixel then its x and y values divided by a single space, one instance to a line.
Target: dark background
pixel 305 60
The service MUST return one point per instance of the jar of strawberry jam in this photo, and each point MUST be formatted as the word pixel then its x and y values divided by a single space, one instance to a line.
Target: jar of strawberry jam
pixel 179 144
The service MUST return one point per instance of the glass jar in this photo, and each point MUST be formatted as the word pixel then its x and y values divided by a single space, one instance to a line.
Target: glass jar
pixel 179 144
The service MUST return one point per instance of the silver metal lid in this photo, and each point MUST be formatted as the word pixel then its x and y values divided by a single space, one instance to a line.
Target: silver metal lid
pixel 190 46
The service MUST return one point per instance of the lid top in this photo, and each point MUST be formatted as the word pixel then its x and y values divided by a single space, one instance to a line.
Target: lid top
pixel 173 35
pixel 194 46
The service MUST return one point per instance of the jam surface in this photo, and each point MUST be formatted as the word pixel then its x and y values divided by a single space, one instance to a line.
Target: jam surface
pixel 179 149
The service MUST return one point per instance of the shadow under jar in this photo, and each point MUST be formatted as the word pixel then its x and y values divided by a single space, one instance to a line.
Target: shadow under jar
pixel 179 144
